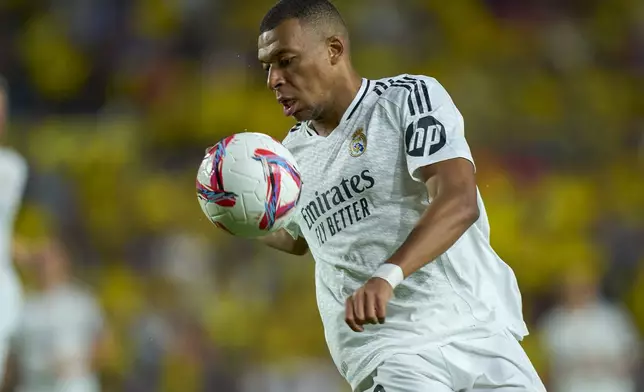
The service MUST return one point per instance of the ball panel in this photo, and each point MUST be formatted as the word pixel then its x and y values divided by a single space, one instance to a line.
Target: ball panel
pixel 248 184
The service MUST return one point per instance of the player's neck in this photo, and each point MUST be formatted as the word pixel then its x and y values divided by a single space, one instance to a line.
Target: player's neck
pixel 345 92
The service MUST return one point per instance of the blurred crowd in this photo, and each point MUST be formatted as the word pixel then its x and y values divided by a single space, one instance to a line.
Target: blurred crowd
pixel 113 103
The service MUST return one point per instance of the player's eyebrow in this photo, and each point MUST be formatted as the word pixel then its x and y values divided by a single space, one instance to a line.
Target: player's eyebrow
pixel 273 54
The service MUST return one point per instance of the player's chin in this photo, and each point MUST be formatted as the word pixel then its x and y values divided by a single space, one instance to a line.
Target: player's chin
pixel 303 115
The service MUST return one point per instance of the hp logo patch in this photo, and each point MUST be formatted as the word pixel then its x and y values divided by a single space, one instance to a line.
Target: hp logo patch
pixel 425 137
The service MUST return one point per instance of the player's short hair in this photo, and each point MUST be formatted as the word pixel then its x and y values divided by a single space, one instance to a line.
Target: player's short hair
pixel 308 11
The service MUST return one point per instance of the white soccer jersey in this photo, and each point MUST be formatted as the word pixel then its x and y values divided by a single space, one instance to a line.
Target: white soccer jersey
pixel 361 197
pixel 13 177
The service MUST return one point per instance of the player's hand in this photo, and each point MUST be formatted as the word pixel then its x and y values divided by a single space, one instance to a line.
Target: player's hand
pixel 368 305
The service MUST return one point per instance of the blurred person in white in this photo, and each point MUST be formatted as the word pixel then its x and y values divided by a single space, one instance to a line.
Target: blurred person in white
pixel 13 178
pixel 591 344
pixel 59 340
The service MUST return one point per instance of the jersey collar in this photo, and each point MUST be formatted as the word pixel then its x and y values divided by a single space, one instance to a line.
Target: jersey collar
pixel 362 93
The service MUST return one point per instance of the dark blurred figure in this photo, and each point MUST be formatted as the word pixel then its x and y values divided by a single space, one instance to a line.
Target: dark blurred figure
pixel 172 352
pixel 193 350
pixel 592 344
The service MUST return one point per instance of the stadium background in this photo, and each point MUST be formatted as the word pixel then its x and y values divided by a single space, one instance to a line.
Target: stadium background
pixel 113 102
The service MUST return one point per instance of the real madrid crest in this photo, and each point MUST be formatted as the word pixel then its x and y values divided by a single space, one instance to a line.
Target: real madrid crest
pixel 358 143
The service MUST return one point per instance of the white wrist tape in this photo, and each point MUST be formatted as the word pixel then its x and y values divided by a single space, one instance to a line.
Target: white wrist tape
pixel 392 273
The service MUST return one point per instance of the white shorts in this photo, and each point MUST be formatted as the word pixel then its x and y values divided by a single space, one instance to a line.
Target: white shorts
pixel 496 363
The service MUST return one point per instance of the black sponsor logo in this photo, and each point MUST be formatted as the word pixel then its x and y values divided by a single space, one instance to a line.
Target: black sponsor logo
pixel 425 137
pixel 345 191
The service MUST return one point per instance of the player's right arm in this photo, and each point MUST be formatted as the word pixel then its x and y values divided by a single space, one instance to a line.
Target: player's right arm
pixel 284 241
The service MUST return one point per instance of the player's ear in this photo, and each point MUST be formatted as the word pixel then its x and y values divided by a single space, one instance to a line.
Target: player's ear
pixel 336 49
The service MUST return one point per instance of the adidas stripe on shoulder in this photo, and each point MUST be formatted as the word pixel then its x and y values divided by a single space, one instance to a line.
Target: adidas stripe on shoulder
pixel 418 100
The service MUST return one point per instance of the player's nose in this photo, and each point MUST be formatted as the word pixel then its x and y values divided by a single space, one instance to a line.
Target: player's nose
pixel 275 79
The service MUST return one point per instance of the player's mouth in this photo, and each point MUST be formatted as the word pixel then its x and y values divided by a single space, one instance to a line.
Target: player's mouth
pixel 289 105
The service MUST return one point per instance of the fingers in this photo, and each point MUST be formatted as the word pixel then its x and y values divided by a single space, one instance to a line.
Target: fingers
pixel 368 305
pixel 381 311
pixel 358 306
pixel 364 308
pixel 370 309
pixel 349 316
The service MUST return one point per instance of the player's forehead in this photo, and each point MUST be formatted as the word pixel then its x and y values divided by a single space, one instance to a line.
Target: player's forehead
pixel 288 36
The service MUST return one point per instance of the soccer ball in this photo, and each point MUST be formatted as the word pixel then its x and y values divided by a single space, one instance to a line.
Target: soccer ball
pixel 248 184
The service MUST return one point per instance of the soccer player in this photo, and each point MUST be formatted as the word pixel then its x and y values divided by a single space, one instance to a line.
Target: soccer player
pixel 412 296
pixel 13 178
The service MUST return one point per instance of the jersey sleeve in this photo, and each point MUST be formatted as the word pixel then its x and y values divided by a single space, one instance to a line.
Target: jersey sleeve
pixel 433 128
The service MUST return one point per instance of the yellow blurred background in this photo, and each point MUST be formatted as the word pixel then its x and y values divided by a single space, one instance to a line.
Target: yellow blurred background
pixel 113 103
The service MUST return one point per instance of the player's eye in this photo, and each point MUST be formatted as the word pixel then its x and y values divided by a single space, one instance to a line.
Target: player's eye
pixel 285 62
pixel 266 67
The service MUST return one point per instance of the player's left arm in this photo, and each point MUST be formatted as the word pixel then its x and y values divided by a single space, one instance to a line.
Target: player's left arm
pixel 451 185
pixel 438 156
